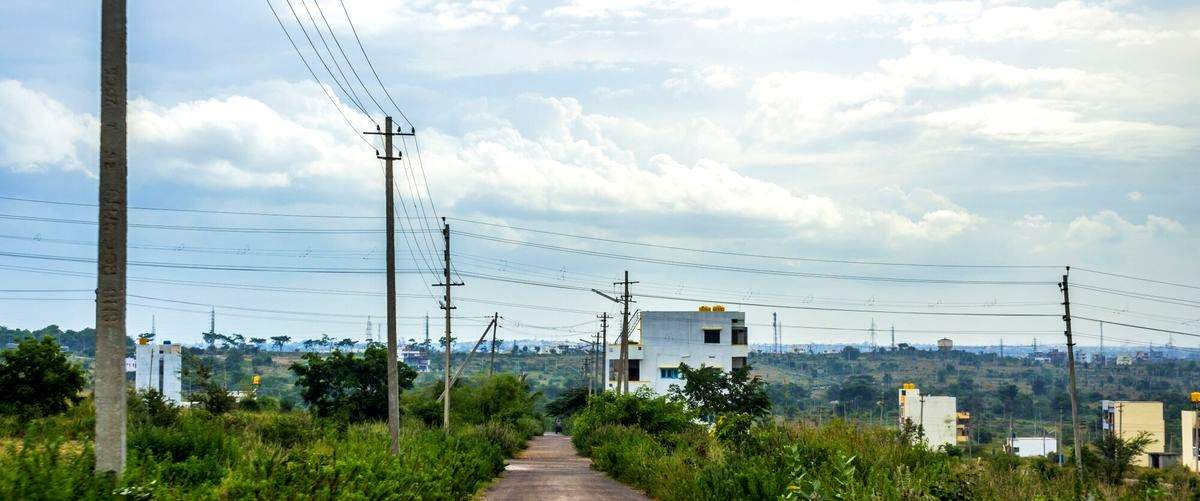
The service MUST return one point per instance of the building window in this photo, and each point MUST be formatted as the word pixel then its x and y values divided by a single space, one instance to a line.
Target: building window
pixel 668 373
pixel 738 362
pixel 614 367
pixel 712 336
pixel 739 335
pixel 635 370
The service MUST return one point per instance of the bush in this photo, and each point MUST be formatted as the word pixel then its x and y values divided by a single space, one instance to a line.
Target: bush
pixel 37 379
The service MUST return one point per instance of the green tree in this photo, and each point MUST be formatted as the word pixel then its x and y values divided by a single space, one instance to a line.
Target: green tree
pixel 1114 455
pixel 348 386
pixel 279 341
pixel 568 403
pixel 37 379
pixel 212 396
pixel 712 391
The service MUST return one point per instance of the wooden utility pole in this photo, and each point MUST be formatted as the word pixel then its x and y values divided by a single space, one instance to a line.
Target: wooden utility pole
pixel 1071 373
pixel 109 369
pixel 625 300
pixel 495 327
pixel 393 381
pixel 448 306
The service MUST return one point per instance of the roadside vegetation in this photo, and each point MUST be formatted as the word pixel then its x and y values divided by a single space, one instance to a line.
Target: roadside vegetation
pixel 254 449
pixel 677 448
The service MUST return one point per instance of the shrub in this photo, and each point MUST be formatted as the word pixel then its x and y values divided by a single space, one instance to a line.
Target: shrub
pixel 37 379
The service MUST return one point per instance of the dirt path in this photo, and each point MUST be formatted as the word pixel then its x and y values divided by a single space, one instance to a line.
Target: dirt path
pixel 551 470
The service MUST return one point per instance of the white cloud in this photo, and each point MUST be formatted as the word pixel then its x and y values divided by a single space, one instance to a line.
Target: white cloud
pixel 431 15
pixel 1134 196
pixel 1037 122
pixel 709 78
pixel 1064 21
pixel 1034 222
pixel 1108 226
pixel 39 133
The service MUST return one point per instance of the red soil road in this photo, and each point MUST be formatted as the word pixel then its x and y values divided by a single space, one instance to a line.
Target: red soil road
pixel 549 469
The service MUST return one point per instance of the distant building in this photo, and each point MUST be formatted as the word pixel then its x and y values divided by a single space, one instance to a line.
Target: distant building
pixel 935 416
pixel 710 337
pixel 1027 447
pixel 419 361
pixel 1191 440
pixel 1128 419
pixel 1124 360
pixel 158 368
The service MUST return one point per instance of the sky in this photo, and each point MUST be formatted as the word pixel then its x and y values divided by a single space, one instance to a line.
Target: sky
pixel 764 155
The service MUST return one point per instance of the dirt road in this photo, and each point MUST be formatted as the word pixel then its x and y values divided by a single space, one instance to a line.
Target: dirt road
pixel 551 470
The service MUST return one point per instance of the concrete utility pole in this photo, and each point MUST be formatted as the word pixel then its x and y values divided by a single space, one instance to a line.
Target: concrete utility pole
pixel 495 327
pixel 1071 372
pixel 393 382
pixel 625 299
pixel 109 368
pixel 603 351
pixel 448 306
pixel 597 365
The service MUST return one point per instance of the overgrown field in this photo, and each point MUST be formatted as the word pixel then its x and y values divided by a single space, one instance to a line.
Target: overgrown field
pixel 654 445
pixel 272 454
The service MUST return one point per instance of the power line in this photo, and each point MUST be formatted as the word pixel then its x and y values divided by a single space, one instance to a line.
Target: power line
pixel 741 269
pixel 1139 295
pixel 744 254
pixel 346 58
pixel 332 100
pixel 199 211
pixel 267 288
pixel 372 66
pixel 1131 277
pixel 214 229
pixel 764 305
pixel 322 59
pixel 192 266
pixel 1143 327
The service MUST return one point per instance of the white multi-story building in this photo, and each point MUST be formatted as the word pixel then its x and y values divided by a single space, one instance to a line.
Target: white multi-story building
pixel 936 417
pixel 710 337
pixel 158 368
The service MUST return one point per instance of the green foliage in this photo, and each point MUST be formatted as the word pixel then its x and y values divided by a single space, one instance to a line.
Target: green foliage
pixel 152 408
pixel 568 403
pixel 1114 456
pixel 712 391
pixel 37 379
pixel 348 386
pixel 741 458
pixel 272 455
pixel 212 396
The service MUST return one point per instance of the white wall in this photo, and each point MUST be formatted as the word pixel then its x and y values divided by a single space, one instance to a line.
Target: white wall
pixel 1033 446
pixel 159 367
pixel 939 419
pixel 1191 431
pixel 671 338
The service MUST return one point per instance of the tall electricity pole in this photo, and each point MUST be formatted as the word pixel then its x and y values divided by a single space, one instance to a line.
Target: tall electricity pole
pixel 775 330
pixel 109 368
pixel 626 298
pixel 1071 373
pixel 495 327
pixel 604 351
pixel 448 306
pixel 393 382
